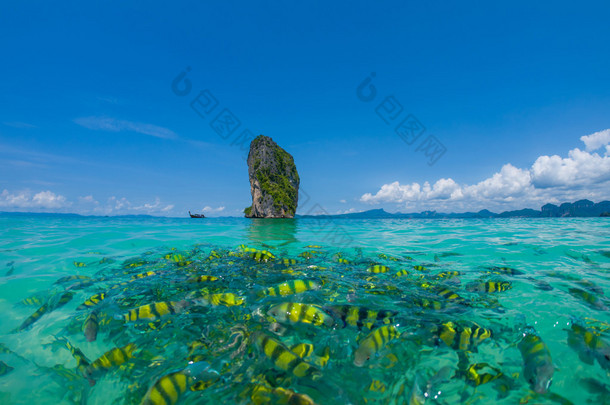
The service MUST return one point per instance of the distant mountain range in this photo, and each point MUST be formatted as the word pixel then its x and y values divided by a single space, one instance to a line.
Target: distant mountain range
pixel 581 208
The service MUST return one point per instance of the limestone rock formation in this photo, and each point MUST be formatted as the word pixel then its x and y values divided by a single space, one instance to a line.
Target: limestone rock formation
pixel 274 181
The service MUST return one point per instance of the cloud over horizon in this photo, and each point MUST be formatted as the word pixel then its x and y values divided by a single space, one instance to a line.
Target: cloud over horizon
pixel 583 174
pixel 210 210
pixel 48 201
pixel 26 199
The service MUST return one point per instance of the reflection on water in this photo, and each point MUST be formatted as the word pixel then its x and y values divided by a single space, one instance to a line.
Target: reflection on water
pixel 275 231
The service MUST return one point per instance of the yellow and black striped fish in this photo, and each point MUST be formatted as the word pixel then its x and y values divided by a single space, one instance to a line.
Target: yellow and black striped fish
pixel 504 270
pixel 268 253
pixel 81 360
pixel 490 286
pixel 202 279
pixel 45 308
pixel 226 299
pixel 306 351
pixel 112 358
pixel 80 264
pixel 343 261
pixel 448 295
pixel 420 268
pixel 75 277
pixel 119 285
pixel 146 274
pixel 475 377
pixel 283 358
pixel 178 258
pixel 386 257
pixel 265 394
pixel 538 368
pixel 589 345
pixel 446 275
pixel 154 311
pixel 63 300
pixel 401 273
pixel 32 300
pixel 426 303
pixel 593 300
pixel 260 256
pixel 464 336
pixel 378 268
pixel 303 349
pixel 92 301
pixel 308 254
pixel 91 326
pixel 296 312
pixel 373 343
pixel 214 255
pixel 590 285
pixel 361 317
pixel 290 287
pixel 287 262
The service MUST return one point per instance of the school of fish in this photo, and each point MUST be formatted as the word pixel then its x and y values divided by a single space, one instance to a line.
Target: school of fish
pixel 254 326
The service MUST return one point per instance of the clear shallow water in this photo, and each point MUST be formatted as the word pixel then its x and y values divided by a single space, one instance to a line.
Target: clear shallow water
pixel 37 251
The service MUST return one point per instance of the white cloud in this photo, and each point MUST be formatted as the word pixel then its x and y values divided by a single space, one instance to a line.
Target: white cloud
pixel 343 201
pixel 395 192
pixel 580 168
pixel 156 207
pixel 510 181
pixel 88 200
pixel 26 200
pixel 117 204
pixel 349 211
pixel 49 201
pixel 596 140
pixel 211 210
pixel 582 174
pixel 114 125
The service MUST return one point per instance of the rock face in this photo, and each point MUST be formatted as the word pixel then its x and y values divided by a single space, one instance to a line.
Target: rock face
pixel 274 181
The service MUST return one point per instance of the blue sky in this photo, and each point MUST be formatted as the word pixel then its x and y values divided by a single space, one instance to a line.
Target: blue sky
pixel 90 124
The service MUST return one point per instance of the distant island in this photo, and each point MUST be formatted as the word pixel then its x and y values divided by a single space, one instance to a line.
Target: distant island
pixel 580 208
pixel 274 180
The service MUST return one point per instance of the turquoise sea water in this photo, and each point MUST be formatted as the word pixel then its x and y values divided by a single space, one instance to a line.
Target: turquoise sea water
pixel 561 266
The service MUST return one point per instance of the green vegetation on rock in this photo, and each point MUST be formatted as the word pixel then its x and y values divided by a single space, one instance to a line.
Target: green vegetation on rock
pixel 273 172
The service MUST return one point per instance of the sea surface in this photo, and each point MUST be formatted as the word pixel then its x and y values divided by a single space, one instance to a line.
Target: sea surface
pixel 437 332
